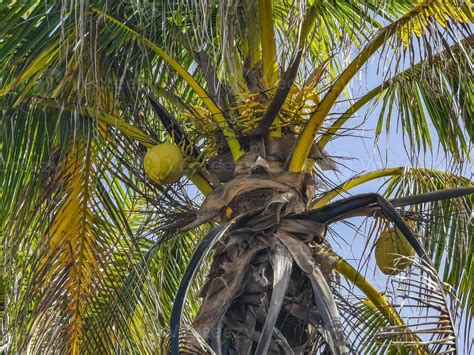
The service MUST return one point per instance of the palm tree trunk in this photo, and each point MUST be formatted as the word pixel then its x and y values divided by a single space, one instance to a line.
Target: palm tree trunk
pixel 256 299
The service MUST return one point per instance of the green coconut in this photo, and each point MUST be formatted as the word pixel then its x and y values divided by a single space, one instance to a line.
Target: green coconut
pixel 393 252
pixel 164 163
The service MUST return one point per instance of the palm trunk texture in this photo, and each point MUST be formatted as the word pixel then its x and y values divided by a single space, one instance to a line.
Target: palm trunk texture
pixel 267 290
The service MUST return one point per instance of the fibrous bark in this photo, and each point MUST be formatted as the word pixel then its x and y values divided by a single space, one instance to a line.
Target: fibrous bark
pixel 255 300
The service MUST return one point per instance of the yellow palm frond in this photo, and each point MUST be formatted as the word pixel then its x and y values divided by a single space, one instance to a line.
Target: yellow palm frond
pixel 71 251
pixel 417 21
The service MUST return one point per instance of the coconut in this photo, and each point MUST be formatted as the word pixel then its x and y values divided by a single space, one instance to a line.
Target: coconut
pixel 393 252
pixel 164 163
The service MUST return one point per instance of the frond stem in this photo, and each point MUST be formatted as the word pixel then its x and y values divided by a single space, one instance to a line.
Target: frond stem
pixel 268 43
pixel 217 114
pixel 356 182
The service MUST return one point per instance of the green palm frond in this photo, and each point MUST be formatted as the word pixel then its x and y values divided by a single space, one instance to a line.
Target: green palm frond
pixel 441 70
pixel 427 14
pixel 112 237
pixel 363 320
pixel 133 312
pixel 57 255
pixel 445 227
pixel 143 263
pixel 434 95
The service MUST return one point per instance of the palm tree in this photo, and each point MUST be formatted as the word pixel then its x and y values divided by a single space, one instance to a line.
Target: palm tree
pixel 239 255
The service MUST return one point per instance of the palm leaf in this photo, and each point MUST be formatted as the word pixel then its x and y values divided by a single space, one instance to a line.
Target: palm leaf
pixel 362 322
pixel 445 227
pixel 441 96
pixel 64 256
pixel 442 70
pixel 427 14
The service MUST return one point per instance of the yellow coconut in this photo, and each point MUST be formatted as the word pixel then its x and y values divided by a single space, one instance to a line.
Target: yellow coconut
pixel 393 252
pixel 164 163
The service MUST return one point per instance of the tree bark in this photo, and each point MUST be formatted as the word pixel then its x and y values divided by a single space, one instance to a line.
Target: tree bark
pixel 250 264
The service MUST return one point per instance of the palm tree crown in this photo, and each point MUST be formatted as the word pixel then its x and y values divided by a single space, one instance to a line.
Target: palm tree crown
pixel 231 241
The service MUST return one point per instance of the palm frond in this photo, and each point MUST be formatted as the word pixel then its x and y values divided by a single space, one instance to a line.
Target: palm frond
pixel 63 258
pixel 440 95
pixel 391 322
pixel 134 312
pixel 427 14
pixel 444 227
pixel 362 322
pixel 447 64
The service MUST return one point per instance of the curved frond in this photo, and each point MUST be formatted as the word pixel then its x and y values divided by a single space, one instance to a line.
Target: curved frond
pixel 436 92
pixel 427 14
pixel 451 64
pixel 63 257
pixel 445 227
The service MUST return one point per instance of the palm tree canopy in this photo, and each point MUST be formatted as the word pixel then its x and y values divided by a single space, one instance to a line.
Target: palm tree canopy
pixel 93 251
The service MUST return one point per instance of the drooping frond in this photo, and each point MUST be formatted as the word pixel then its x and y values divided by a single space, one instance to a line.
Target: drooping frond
pixel 133 312
pixel 96 234
pixel 445 227
pixel 435 92
pixel 442 72
pixel 370 331
pixel 62 255
pixel 362 320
